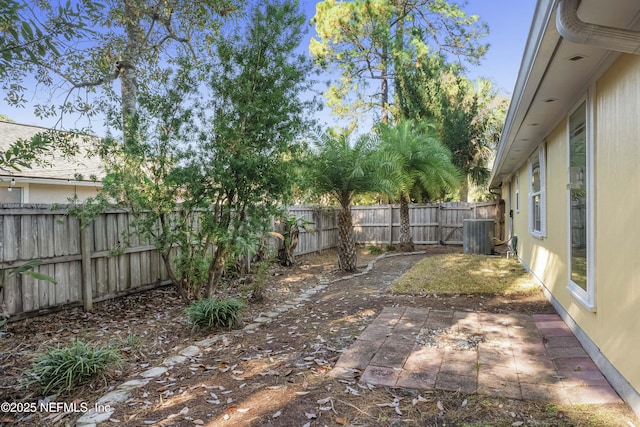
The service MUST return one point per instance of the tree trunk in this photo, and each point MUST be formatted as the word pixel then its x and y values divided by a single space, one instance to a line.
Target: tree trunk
pixel 406 241
pixel 385 83
pixel 397 63
pixel 464 189
pixel 346 245
pixel 128 68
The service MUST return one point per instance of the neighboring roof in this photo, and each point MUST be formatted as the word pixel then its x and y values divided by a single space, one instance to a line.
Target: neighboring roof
pixel 554 74
pixel 61 168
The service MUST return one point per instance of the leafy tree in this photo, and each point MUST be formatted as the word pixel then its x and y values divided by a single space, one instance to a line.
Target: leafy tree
pixel 472 119
pixel 210 172
pixel 470 114
pixel 424 165
pixel 133 42
pixel 343 170
pixel 372 40
pixel 26 38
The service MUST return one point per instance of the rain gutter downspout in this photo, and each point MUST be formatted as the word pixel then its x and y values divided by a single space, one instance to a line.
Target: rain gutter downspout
pixel 573 29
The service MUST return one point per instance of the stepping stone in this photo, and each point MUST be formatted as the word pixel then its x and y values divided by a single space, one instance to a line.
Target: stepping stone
pixel 252 327
pixel 174 360
pixel 271 314
pixel 116 396
pixel 130 385
pixel 191 351
pixel 154 372
pixel 92 417
pixel 262 319
pixel 207 342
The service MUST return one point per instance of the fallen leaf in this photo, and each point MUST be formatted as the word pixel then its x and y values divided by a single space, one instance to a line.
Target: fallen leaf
pixel 277 414
pixel 352 391
pixel 464 403
pixel 311 415
pixel 341 421
pixel 440 406
pixel 517 423
pixel 243 410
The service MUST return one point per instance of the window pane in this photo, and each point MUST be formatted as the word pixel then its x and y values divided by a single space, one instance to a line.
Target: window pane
pixel 10 195
pixel 535 178
pixel 536 213
pixel 578 196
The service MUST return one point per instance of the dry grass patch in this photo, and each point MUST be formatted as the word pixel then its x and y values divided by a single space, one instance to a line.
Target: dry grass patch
pixel 465 274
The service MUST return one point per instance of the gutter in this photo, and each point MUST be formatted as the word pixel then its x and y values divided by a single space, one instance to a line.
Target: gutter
pixel 573 29
pixel 53 181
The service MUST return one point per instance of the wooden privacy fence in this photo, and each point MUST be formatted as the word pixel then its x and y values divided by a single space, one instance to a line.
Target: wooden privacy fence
pixel 91 264
pixel 430 223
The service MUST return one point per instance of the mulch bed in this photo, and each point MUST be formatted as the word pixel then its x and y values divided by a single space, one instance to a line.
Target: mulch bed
pixel 277 375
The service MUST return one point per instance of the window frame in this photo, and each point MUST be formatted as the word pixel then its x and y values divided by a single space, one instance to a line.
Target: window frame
pixel 587 296
pixel 538 158
pixel 517 186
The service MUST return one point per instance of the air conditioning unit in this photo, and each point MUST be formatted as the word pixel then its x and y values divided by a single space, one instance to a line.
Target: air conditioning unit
pixel 477 236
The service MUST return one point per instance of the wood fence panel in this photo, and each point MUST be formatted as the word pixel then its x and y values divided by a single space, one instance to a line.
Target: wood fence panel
pixel 371 224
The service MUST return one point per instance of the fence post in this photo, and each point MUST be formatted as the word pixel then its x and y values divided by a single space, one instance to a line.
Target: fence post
pixel 390 224
pixel 439 220
pixel 317 214
pixel 87 291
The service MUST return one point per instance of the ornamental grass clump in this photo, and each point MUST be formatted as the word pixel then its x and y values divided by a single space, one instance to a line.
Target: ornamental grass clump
pixel 211 313
pixel 60 369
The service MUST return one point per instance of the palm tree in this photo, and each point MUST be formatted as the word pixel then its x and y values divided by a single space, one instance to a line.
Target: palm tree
pixel 342 170
pixel 423 164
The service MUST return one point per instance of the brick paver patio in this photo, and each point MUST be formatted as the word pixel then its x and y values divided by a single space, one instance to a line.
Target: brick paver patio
pixel 516 356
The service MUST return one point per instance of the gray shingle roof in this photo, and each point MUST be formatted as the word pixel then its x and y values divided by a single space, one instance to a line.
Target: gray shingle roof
pixel 60 167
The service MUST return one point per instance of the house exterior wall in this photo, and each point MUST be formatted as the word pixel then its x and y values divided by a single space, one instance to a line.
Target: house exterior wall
pixel 617 273
pixel 613 326
pixel 48 193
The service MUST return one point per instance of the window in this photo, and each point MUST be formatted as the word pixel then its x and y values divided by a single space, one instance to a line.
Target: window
pixel 537 199
pixel 517 193
pixel 10 194
pixel 580 199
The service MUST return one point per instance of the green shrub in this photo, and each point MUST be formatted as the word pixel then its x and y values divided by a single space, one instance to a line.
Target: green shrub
pixel 60 369
pixel 374 249
pixel 259 280
pixel 209 313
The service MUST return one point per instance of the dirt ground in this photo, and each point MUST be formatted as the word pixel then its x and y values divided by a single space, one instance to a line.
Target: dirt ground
pixel 278 375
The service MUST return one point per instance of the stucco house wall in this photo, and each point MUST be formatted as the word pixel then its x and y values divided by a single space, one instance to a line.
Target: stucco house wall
pixel 556 78
pixel 64 178
pixel 613 325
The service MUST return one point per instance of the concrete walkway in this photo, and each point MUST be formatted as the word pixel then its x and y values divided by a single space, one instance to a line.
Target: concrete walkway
pixel 515 356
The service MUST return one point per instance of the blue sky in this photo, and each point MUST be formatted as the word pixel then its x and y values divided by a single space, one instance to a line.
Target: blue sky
pixel 508 20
